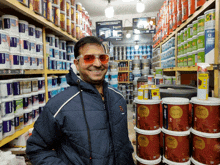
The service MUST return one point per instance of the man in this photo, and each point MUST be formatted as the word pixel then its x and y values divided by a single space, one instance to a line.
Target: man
pixel 86 123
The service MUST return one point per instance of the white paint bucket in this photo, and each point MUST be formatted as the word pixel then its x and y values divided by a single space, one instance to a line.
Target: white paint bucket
pixel 14 43
pixel 38 35
pixel 4 40
pixel 31 32
pixel 24 45
pixel 6 88
pixel 23 28
pixel 18 104
pixel 14 60
pixel 10 24
pixel 4 60
pixel 8 125
pixel 7 108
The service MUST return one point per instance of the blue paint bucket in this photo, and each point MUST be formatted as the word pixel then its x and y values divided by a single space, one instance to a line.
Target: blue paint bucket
pixel 7 107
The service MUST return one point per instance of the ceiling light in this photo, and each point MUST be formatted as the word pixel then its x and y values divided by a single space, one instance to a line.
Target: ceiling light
pixel 109 11
pixel 140 7
pixel 128 35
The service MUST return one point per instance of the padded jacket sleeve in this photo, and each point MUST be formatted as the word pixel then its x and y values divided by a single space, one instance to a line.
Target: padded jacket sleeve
pixel 43 140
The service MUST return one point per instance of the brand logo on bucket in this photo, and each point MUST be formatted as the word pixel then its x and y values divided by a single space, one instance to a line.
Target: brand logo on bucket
pixel 122 110
pixel 143 141
pixel 199 143
pixel 171 142
pixel 176 112
pixel 201 112
pixel 143 111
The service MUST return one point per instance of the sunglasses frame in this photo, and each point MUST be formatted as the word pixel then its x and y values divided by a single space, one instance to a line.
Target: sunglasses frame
pixel 96 56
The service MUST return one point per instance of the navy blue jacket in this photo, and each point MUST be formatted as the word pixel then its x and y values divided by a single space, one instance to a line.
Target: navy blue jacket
pixel 65 134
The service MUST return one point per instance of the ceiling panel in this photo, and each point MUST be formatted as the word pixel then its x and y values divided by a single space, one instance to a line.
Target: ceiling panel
pixel 97 7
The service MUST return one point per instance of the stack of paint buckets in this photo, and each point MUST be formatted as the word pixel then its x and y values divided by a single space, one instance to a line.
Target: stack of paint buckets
pixel 176 129
pixel 113 74
pixel 21 102
pixel 147 129
pixel 197 41
pixel 21 44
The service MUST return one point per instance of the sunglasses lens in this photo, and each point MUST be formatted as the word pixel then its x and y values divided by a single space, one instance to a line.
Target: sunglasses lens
pixel 104 58
pixel 89 59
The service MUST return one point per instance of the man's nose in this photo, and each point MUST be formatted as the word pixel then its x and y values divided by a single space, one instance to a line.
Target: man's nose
pixel 97 62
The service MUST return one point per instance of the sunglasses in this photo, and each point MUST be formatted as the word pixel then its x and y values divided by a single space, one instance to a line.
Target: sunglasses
pixel 90 58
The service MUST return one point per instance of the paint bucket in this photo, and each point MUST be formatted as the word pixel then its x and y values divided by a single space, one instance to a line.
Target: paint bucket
pixel 159 71
pixel 206 115
pixel 8 125
pixel 51 39
pixel 79 7
pixel 25 86
pixel 14 43
pixel 4 40
pixel 73 10
pixel 114 84
pixel 201 55
pixel 56 14
pixel 18 104
pixel 1 131
pixel 41 107
pixel 176 114
pixel 194 43
pixel 68 8
pixel 190 31
pixel 41 97
pixel 38 7
pixel 14 60
pixel 38 35
pixel 39 49
pixel 201 23
pixel 35 99
pixel 148 114
pixel 184 10
pixel 189 45
pixel 6 89
pixel 57 42
pixel 62 45
pixel 7 108
pixel 41 83
pixel 206 147
pixel 23 28
pixel 24 45
pixel 68 25
pixel 10 24
pixel 4 60
pixel 114 76
pixel 151 79
pixel 16 87
pixel 176 143
pixel 32 47
pixel 49 82
pixel 19 121
pixel 201 40
pixel 63 5
pixel 148 144
pixel 191 7
pixel 159 80
pixel 31 32
pixel 27 101
pixel 73 28
pixel 35 113
pixel 195 27
pixel 199 3
pixel 27 117
pixel 54 81
pixel 63 20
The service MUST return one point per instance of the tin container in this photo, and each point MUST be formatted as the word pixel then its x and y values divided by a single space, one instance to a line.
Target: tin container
pixel 63 20
pixel 49 10
pixel 63 5
pixel 176 114
pixel 79 7
pixel 195 27
pixel 184 10
pixel 73 29
pixel 38 6
pixel 201 55
pixel 68 25
pixel 68 8
pixel 73 13
pixel 201 23
pixel 56 14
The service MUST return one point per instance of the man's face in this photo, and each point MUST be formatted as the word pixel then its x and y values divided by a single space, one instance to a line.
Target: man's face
pixel 92 73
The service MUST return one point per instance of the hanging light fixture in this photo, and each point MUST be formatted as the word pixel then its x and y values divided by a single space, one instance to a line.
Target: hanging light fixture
pixel 140 7
pixel 109 11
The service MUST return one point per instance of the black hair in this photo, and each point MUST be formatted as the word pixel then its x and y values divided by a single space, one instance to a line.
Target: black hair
pixel 84 41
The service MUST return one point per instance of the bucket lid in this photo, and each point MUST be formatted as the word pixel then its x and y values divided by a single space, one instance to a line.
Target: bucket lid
pixel 209 11
pixel 34 93
pixel 23 21
pixel 190 25
pixel 201 17
pixel 6 81
pixel 27 95
pixel 175 100
pixel 143 161
pixel 9 117
pixel 147 132
pixel 30 25
pixel 147 102
pixel 201 33
pixel 174 163
pixel 176 133
pixel 7 99
pixel 212 101
pixel 9 16
pixel 201 50
pixel 38 29
pixel 40 92
pixel 196 21
pixel 195 162
pixel 18 97
pixel 42 105
pixel 205 135
pixel 35 107
pixel 27 110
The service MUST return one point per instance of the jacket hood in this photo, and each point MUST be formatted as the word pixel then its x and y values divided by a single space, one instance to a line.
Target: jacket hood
pixel 72 80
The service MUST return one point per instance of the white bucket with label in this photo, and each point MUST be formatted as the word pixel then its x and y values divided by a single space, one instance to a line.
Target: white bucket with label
pixel 151 79
pixel 1 130
pixel 4 40
pixel 114 76
pixel 35 99
pixel 23 28
pixel 25 61
pixel 114 84
pixel 31 32
pixel 6 107
pixel 38 35
pixel 40 63
pixel 32 47
pixel 10 24
pixel 24 45
pixel 8 125
pixel 159 71
pixel 14 43
pixel 14 60
pixel 6 88
pixel 39 49
pixel 28 117
pixel 18 104
pixel 4 60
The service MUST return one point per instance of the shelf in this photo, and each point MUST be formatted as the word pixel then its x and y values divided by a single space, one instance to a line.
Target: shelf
pixel 14 4
pixel 190 19
pixel 33 71
pixel 124 71
pixel 57 71
pixel 187 68
pixel 15 135
pixel 122 60
pixel 125 82
pixel 11 71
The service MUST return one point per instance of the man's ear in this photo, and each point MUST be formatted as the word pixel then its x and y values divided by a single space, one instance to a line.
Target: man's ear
pixel 76 62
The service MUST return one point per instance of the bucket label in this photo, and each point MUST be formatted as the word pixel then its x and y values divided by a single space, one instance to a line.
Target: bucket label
pixel 143 141
pixel 201 112
pixel 176 112
pixel 209 40
pixel 143 111
pixel 199 143
pixel 171 142
pixel 165 116
pixel 203 80
pixel 210 21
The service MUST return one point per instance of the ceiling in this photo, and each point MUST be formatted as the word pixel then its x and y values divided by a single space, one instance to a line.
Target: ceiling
pixel 97 7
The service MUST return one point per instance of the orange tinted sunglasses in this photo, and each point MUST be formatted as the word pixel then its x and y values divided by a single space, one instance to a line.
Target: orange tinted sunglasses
pixel 90 58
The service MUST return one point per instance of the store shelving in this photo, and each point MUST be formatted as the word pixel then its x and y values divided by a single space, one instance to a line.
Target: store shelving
pixel 15 135
pixel 17 6
pixel 125 82
pixel 124 71
pixel 187 68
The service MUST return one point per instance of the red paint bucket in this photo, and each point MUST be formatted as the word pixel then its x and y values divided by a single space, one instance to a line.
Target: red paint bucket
pixel 148 114
pixel 191 7
pixel 147 162
pixel 206 147
pixel 174 21
pixel 176 114
pixel 176 146
pixel 184 10
pixel 179 12
pixel 148 144
pixel 206 115
pixel 199 3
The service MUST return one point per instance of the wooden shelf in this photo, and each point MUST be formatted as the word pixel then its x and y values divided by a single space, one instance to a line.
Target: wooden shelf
pixel 125 82
pixel 57 71
pixel 15 135
pixel 189 20
pixel 124 71
pixel 33 71
pixel 187 68
pixel 122 60
pixel 14 4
